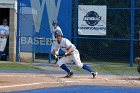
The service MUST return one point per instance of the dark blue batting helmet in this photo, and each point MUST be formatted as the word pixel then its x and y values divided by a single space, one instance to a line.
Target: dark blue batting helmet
pixel 5 20
pixel 58 33
pixel 54 23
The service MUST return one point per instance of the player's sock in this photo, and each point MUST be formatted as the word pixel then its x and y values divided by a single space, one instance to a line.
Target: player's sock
pixel 64 67
pixel 0 54
pixel 87 68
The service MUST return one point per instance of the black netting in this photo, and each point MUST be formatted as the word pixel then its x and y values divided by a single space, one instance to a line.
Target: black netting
pixel 137 23
pixel 109 3
pixel 118 23
pixel 107 50
pixel 137 3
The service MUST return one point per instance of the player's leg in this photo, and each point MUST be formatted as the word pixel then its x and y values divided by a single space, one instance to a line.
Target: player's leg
pixel 2 45
pixel 77 60
pixel 61 63
pixel 0 54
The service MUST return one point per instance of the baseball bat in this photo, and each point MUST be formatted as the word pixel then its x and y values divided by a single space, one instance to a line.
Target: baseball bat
pixel 40 38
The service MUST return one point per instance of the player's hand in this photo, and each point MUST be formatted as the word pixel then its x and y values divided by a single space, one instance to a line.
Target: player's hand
pixel 56 56
pixel 66 54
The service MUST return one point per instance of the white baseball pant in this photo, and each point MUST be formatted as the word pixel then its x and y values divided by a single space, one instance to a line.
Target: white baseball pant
pixel 3 43
pixel 75 57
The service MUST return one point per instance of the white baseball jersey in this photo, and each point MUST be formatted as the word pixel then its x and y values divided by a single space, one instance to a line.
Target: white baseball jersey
pixel 64 45
pixel 55 29
pixel 4 30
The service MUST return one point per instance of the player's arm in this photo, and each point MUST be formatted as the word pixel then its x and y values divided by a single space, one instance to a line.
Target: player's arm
pixel 54 53
pixel 70 48
pixel 55 50
pixel 7 32
pixel 2 35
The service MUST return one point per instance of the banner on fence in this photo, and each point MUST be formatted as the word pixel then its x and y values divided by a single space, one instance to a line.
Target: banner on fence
pixel 92 19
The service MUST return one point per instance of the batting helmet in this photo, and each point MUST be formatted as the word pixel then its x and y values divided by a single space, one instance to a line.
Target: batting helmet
pixel 54 23
pixel 58 33
pixel 5 20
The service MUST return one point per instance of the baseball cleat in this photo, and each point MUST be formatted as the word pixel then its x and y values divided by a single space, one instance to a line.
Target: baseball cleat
pixel 69 75
pixel 94 74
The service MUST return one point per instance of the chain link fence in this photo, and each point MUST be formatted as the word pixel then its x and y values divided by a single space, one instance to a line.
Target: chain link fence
pixel 116 45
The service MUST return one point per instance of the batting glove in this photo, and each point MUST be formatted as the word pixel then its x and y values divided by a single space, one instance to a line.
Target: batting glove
pixel 66 54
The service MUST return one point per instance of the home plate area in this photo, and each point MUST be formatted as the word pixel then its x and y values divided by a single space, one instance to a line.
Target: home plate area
pixel 27 81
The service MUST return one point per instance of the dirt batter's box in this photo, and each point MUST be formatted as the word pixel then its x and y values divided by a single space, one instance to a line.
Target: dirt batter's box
pixel 28 81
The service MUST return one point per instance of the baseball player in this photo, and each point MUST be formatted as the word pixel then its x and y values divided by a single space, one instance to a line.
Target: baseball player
pixel 71 54
pixel 55 28
pixel 4 33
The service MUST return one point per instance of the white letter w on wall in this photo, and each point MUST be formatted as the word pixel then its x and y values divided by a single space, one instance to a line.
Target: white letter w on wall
pixel 38 8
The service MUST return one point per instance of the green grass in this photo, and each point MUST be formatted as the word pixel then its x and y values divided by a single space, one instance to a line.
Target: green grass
pixel 109 69
pixel 16 66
